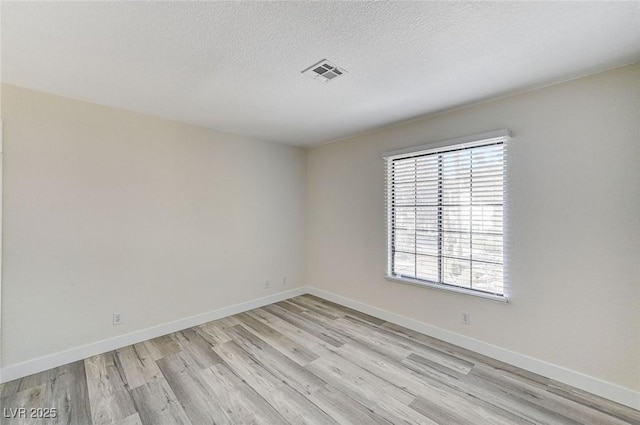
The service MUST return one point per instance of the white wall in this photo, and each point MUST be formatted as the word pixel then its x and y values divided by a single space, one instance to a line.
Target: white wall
pixel 574 247
pixel 107 210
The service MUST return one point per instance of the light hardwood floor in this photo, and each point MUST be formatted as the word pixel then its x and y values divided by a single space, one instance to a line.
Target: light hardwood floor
pixel 301 361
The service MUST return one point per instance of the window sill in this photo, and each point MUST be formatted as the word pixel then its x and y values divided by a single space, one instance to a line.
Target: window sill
pixel 447 288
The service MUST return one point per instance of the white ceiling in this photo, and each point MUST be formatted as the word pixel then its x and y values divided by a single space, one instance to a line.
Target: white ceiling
pixel 235 66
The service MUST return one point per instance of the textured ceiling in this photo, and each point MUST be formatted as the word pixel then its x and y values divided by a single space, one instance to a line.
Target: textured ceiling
pixel 235 66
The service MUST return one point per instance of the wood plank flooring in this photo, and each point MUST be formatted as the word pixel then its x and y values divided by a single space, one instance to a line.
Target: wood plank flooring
pixel 300 361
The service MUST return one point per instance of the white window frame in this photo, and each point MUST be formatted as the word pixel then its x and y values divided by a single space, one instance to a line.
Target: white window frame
pixel 477 140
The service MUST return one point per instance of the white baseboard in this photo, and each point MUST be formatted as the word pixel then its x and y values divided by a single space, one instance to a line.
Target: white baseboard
pixel 41 364
pixel 608 390
pixel 581 381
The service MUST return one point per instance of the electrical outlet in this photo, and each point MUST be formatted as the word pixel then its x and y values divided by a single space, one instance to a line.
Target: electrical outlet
pixel 267 284
pixel 284 280
pixel 117 318
pixel 466 318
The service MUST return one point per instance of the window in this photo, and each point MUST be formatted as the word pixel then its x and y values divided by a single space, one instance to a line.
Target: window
pixel 445 215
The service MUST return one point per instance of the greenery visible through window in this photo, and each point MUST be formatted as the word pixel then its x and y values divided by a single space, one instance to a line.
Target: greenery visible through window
pixel 445 213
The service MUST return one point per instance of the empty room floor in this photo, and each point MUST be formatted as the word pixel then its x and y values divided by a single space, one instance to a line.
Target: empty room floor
pixel 300 361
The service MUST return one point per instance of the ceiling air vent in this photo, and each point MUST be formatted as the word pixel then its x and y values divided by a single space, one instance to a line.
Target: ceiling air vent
pixel 324 71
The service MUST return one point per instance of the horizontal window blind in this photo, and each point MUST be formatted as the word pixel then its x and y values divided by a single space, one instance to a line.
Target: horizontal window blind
pixel 445 214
